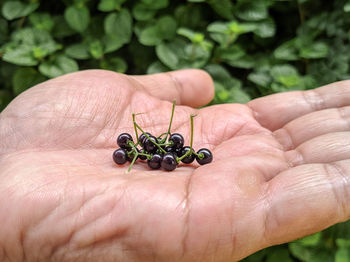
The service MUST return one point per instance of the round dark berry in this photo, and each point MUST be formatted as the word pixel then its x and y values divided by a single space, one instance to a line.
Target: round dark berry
pixel 130 157
pixel 142 137
pixel 149 146
pixel 142 157
pixel 123 140
pixel 208 156
pixel 188 159
pixel 169 149
pixel 119 156
pixel 169 162
pixel 155 161
pixel 177 140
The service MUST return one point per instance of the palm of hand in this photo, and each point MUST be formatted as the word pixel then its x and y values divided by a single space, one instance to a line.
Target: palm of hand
pixel 65 197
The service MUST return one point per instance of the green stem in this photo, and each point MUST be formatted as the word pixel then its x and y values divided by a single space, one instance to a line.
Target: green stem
pixel 133 119
pixel 171 119
pixel 157 145
pixel 191 151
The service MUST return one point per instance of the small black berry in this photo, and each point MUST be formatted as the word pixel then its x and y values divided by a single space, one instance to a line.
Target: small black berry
pixel 155 161
pixel 119 156
pixel 169 162
pixel 208 156
pixel 142 157
pixel 149 146
pixel 188 159
pixel 123 140
pixel 177 140
pixel 142 137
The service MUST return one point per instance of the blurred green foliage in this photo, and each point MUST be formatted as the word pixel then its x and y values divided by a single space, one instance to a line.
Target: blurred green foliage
pixel 250 47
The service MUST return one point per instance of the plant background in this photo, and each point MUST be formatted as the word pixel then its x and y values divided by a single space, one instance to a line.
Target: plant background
pixel 250 47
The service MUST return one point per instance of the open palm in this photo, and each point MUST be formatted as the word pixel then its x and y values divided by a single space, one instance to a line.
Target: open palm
pixel 280 170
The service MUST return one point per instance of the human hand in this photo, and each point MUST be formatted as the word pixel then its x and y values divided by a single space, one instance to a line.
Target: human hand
pixel 280 171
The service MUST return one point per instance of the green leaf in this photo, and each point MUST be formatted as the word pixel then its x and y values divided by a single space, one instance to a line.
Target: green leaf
pixel 222 7
pixel 287 51
pixel 42 21
pixel 347 7
pixel 265 29
pixel 25 78
pixel 77 17
pixel 112 43
pixel 260 78
pixel 119 25
pixel 178 54
pixel 311 240
pixel 115 64
pixel 96 49
pixel 314 51
pixel 110 5
pixel 78 51
pixel 157 67
pixel 15 9
pixel 142 12
pixel 251 10
pixel 342 255
pixel 156 4
pixel 167 27
pixel 58 66
pixel 28 46
pixel 150 36
pixel 341 242
pixel 279 255
pixel 286 75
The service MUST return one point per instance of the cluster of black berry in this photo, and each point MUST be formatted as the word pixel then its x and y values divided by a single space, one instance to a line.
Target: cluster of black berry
pixel 166 150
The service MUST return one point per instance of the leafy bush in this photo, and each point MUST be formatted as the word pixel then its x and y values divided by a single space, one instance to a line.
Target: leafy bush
pixel 250 47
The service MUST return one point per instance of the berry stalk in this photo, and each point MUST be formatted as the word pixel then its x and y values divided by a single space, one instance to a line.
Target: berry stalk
pixel 156 144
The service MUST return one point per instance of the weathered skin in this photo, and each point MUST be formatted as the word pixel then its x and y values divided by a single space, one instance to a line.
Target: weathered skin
pixel 281 170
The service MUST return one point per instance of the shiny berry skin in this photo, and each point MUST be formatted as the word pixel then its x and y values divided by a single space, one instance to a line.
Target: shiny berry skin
pixel 208 156
pixel 142 137
pixel 169 162
pixel 123 140
pixel 119 156
pixel 155 161
pixel 177 139
pixel 168 149
pixel 188 159
pixel 148 144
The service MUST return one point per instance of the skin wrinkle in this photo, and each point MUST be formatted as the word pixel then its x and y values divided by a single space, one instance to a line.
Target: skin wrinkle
pixel 341 199
pixel 314 99
pixel 186 209
pixel 342 116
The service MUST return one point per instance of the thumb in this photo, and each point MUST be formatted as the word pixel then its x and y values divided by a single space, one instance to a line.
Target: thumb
pixel 191 87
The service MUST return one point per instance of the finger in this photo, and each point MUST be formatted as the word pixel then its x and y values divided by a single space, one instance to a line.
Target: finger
pixel 306 199
pixel 322 149
pixel 312 125
pixel 190 87
pixel 275 111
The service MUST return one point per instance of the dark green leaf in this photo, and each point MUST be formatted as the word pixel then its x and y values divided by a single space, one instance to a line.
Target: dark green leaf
pixel 314 51
pixel 157 67
pixel 96 49
pixel 287 51
pixel 119 25
pixel 77 17
pixel 110 5
pixel 142 12
pixel 252 10
pixel 115 64
pixel 78 51
pixel 279 255
pixel 58 66
pixel 25 78
pixel 15 9
pixel 42 21
pixel 222 7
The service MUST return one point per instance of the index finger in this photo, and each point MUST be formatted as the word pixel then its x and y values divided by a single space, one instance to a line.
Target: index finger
pixel 274 111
